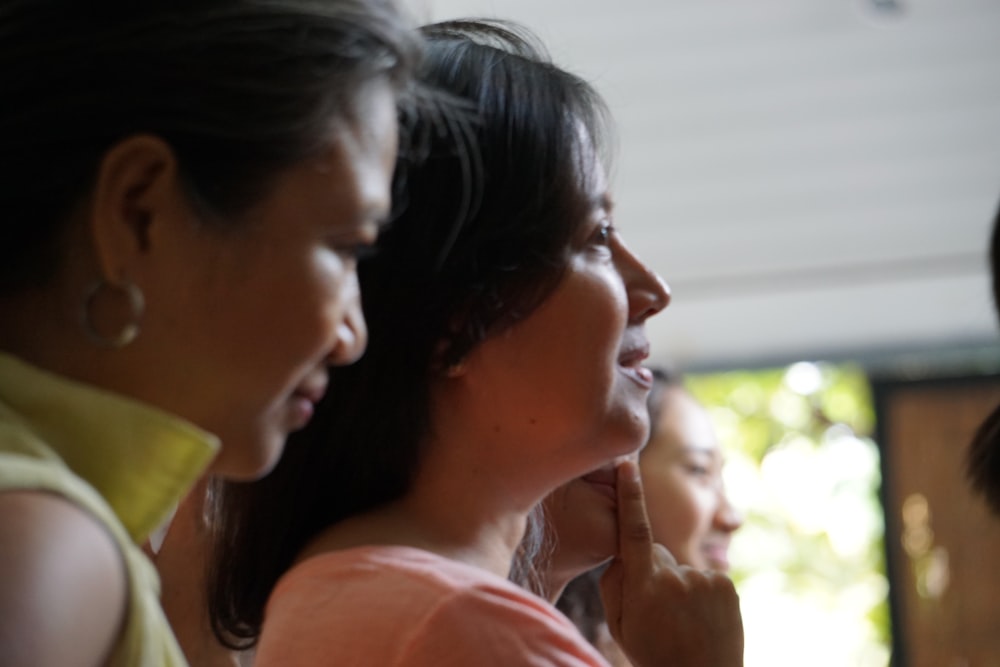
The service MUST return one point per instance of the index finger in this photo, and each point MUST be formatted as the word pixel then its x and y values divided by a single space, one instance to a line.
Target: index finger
pixel 635 535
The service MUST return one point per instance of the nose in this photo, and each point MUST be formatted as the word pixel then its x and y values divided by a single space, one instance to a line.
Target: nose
pixel 727 518
pixel 648 294
pixel 352 331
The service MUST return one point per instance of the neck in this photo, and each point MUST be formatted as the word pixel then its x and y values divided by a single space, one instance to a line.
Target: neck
pixel 457 529
pixel 39 327
pixel 455 508
pixel 555 583
pixel 469 500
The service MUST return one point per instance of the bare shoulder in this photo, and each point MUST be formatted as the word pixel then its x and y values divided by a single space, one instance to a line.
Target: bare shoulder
pixel 62 583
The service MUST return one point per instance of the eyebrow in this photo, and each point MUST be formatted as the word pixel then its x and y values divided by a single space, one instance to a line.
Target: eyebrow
pixel 602 202
pixel 606 202
pixel 703 449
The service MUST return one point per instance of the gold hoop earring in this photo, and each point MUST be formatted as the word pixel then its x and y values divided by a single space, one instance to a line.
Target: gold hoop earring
pixel 130 331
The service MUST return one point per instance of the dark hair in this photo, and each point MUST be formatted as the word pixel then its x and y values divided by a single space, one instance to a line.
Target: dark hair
pixel 463 260
pixel 581 603
pixel 995 262
pixel 983 461
pixel 240 89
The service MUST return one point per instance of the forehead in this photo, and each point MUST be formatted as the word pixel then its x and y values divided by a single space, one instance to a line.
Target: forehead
pixel 368 122
pixel 362 146
pixel 590 167
pixel 683 424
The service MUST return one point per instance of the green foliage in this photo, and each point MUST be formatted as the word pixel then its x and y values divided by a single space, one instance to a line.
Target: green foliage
pixel 803 467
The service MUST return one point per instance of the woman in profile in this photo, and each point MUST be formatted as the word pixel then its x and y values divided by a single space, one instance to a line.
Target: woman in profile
pixel 507 341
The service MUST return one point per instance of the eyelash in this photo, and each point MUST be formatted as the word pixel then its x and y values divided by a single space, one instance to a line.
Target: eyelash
pixel 356 251
pixel 361 251
pixel 602 236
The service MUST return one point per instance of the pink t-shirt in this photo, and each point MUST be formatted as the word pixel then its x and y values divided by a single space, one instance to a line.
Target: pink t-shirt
pixel 394 606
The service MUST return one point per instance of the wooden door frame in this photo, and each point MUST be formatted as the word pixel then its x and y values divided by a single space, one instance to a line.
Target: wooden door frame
pixel 884 388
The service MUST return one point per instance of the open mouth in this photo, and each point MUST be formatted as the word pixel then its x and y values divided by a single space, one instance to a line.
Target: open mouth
pixel 630 360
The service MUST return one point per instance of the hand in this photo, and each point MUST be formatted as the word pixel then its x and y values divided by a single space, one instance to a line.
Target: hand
pixel 659 612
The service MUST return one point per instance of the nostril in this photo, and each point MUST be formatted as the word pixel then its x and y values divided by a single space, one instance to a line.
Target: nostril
pixel 662 292
pixel 351 342
pixel 651 301
pixel 649 293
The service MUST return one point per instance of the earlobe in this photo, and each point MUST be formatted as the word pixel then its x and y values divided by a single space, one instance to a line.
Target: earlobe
pixel 136 183
pixel 455 370
pixel 443 361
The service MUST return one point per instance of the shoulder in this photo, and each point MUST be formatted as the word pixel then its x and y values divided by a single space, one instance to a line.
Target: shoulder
pixel 398 569
pixel 438 612
pixel 62 582
pixel 487 620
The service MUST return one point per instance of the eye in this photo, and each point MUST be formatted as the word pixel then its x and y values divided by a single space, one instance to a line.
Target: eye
pixel 602 235
pixel 354 246
pixel 360 252
pixel 697 470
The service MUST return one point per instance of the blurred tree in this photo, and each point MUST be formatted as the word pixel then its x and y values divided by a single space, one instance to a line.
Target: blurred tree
pixel 809 562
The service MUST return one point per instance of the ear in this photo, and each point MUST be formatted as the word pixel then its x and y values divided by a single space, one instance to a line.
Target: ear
pixel 452 370
pixel 136 183
pixel 455 370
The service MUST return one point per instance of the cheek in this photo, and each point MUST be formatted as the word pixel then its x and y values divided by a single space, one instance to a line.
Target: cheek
pixel 611 318
pixel 293 311
pixel 674 510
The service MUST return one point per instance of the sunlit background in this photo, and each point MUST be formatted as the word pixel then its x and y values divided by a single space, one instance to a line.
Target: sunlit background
pixel 809 561
pixel 816 181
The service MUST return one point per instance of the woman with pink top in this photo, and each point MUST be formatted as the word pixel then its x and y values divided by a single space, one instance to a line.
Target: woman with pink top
pixel 507 340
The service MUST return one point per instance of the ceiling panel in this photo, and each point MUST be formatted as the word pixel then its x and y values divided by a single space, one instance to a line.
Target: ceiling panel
pixel 811 177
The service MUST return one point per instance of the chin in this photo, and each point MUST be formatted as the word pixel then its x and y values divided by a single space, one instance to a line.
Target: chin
pixel 630 436
pixel 248 463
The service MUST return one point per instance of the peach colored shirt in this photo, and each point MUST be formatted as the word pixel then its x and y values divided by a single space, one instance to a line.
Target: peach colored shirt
pixel 395 606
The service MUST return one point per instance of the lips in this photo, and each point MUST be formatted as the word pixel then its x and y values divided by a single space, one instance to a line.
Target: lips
pixel 304 399
pixel 717 555
pixel 633 353
pixel 312 389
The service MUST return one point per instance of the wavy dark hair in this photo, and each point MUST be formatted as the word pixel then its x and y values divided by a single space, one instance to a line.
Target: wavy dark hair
pixel 983 460
pixel 488 211
pixel 240 89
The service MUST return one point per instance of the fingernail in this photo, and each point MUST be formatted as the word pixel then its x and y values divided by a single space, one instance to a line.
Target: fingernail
pixel 631 470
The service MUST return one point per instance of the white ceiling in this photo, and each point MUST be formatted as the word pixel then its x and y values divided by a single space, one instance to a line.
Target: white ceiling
pixel 814 178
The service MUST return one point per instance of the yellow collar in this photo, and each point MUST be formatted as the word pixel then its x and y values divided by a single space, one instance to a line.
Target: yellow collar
pixel 140 459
